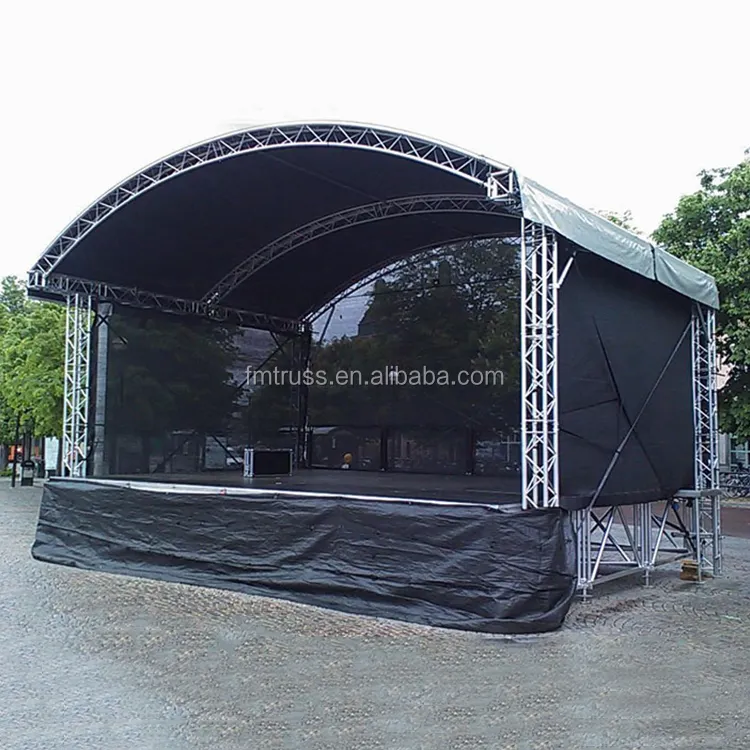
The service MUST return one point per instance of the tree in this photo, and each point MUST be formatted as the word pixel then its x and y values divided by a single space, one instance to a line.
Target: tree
pixel 711 230
pixel 31 361
pixel 32 366
pixel 13 295
pixel 451 311
pixel 624 220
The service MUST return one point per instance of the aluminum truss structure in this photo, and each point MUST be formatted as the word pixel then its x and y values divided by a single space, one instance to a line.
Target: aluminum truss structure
pixel 78 322
pixel 496 177
pixel 706 505
pixel 421 204
pixel 626 539
pixel 612 542
pixel 539 406
pixel 78 293
pixel 65 286
pixel 540 280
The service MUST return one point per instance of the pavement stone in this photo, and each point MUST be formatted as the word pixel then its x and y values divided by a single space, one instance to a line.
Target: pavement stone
pixel 92 660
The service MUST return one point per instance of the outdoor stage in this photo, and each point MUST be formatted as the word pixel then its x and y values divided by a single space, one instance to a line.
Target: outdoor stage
pixel 606 405
pixel 593 545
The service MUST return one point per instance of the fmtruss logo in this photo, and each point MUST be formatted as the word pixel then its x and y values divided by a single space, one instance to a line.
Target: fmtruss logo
pixel 391 375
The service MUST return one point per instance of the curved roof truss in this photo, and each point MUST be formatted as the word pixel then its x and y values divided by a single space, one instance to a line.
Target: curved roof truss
pixel 414 205
pixel 416 257
pixel 426 178
pixel 496 177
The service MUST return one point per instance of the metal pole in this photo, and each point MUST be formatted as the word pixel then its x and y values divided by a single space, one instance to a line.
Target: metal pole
pixel 554 452
pixel 65 442
pixel 539 408
pixel 713 439
pixel 85 363
pixel 525 467
pixel 303 347
pixel 100 388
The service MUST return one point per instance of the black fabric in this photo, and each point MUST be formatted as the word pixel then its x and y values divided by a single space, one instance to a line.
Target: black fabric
pixel 467 567
pixel 184 235
pixel 618 332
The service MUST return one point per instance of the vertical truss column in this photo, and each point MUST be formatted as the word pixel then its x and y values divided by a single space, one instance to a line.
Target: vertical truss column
pixel 706 516
pixel 76 386
pixel 539 407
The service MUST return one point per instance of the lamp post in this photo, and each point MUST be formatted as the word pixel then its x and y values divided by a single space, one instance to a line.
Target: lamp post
pixel 15 451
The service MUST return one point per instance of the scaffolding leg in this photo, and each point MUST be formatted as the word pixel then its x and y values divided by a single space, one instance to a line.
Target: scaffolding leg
pixel 625 540
pixel 643 521
pixel 582 525
pixel 76 385
pixel 718 552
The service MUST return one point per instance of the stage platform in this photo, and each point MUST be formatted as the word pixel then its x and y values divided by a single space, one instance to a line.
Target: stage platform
pixel 360 543
pixel 452 488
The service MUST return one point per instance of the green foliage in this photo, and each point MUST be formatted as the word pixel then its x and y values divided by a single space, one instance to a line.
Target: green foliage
pixel 7 424
pixel 711 229
pixel 13 295
pixel 31 362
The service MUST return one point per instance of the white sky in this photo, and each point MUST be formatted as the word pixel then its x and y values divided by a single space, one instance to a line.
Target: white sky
pixel 616 105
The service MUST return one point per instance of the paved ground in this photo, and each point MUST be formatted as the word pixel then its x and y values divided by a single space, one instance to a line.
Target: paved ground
pixel 735 518
pixel 89 660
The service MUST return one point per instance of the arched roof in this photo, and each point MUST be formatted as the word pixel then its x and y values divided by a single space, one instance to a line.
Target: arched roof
pixel 276 220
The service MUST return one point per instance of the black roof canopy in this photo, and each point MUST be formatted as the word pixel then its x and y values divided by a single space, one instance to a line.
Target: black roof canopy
pixel 277 220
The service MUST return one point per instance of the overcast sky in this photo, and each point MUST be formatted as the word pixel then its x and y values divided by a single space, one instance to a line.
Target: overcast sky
pixel 616 105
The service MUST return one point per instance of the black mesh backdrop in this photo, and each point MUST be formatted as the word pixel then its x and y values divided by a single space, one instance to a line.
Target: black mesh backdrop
pixel 329 445
pixel 392 365
pixel 178 400
pixel 413 371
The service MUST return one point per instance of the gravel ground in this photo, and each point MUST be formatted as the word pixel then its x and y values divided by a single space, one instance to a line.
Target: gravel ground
pixel 90 660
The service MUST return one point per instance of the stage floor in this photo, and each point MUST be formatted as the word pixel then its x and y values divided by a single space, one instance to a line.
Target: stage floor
pixel 472 489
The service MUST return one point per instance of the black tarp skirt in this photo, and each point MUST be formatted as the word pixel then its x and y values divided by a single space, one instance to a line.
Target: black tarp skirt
pixel 471 567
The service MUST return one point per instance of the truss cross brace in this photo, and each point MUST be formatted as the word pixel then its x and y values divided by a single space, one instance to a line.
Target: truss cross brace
pixel 625 540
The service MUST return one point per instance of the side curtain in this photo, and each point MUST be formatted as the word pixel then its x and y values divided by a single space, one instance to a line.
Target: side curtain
pixel 625 368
